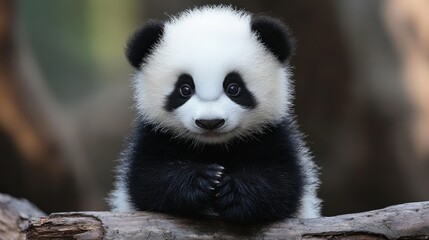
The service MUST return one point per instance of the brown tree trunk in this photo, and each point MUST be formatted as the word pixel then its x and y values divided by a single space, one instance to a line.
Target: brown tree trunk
pixel 408 25
pixel 39 146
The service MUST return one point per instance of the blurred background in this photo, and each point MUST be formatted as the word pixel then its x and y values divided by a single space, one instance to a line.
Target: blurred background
pixel 362 96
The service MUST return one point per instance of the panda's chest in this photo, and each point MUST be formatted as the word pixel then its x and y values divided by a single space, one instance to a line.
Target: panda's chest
pixel 213 156
pixel 228 158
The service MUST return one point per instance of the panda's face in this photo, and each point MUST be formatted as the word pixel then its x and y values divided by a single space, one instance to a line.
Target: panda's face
pixel 211 80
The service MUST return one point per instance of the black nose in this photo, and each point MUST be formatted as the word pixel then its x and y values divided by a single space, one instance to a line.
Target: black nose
pixel 209 124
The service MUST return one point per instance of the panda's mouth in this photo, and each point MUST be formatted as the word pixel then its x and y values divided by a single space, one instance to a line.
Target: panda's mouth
pixel 217 134
pixel 212 134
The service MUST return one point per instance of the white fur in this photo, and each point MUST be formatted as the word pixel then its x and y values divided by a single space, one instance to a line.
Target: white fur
pixel 208 43
pixel 310 203
pixel 119 198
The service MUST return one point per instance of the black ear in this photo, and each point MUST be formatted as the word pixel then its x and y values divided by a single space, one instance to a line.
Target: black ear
pixel 275 35
pixel 141 44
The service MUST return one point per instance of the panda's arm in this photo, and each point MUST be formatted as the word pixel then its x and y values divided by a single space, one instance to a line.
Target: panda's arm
pixel 174 186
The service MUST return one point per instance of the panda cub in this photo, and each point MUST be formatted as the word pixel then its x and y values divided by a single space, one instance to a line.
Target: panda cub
pixel 215 135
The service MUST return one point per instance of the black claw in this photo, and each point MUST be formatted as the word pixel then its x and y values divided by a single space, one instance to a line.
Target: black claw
pixel 215 167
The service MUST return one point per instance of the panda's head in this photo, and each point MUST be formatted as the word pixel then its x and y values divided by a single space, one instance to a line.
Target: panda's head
pixel 212 74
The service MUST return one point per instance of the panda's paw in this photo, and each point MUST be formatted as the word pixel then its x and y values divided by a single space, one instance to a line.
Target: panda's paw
pixel 191 190
pixel 210 177
pixel 230 203
pixel 225 197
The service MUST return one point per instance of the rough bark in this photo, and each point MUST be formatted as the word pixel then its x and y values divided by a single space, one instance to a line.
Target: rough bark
pixel 14 216
pixel 405 221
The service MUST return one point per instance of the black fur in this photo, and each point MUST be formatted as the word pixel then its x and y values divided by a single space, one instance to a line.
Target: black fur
pixel 141 44
pixel 275 36
pixel 175 99
pixel 245 97
pixel 252 180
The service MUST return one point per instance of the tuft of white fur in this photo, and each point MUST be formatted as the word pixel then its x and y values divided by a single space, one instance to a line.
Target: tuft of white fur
pixel 208 43
pixel 310 203
pixel 119 199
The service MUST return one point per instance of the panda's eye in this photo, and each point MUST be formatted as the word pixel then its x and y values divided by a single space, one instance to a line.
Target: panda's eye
pixel 233 89
pixel 185 90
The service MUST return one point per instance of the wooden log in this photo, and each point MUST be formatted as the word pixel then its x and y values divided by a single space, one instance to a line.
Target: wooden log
pixel 404 221
pixel 14 216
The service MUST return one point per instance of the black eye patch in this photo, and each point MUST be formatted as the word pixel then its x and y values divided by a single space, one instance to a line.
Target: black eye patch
pixel 176 97
pixel 244 97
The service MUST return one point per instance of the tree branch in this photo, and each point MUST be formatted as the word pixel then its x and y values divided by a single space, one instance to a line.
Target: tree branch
pixel 14 216
pixel 404 221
